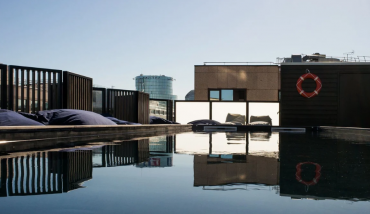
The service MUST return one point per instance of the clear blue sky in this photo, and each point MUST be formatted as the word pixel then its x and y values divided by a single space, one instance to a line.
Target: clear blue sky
pixel 113 41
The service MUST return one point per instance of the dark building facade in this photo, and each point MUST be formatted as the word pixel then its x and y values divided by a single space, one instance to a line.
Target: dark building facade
pixel 342 100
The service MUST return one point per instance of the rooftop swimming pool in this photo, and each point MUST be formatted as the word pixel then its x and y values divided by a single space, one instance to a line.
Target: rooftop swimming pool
pixel 234 172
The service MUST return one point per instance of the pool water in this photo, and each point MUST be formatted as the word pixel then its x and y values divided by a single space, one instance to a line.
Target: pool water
pixel 192 173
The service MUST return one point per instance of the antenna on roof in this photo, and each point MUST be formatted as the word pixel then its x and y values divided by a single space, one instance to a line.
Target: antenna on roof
pixel 349 53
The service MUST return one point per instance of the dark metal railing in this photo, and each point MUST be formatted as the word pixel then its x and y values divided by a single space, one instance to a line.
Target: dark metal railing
pixel 77 91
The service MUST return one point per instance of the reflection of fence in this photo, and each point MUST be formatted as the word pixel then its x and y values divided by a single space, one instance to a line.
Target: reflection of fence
pixel 126 153
pixel 44 172
pixel 77 91
pixel 77 168
pixel 128 105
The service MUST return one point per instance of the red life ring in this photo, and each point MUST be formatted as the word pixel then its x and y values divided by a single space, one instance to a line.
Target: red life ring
pixel 314 180
pixel 309 76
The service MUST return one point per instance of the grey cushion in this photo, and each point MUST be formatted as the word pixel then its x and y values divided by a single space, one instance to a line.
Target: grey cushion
pixel 260 118
pixel 235 118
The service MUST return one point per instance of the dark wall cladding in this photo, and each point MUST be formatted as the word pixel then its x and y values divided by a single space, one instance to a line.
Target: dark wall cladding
pixel 77 91
pixel 336 103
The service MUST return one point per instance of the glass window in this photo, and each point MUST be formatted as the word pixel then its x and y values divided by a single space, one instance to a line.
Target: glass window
pixel 227 95
pixel 189 111
pixel 214 95
pixel 265 109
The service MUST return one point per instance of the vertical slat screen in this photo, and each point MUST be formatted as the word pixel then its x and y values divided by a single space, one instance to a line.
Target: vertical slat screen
pixel 3 86
pixel 31 89
pixel 77 91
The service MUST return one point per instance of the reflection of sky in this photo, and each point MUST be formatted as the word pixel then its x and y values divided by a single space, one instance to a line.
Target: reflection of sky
pixel 222 146
pixel 190 143
pixel 270 145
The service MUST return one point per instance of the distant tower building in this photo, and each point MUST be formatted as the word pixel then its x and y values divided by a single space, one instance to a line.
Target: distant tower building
pixel 157 86
pixel 190 95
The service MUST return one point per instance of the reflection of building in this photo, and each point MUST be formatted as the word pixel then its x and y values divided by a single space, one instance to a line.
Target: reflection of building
pixel 157 86
pixel 161 152
pixel 232 166
pixel 212 170
pixel 344 173
pixel 45 172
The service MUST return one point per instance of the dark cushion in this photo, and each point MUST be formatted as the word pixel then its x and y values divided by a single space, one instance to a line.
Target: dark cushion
pixel 72 117
pixel 204 122
pixel 11 118
pixel 121 122
pixel 158 120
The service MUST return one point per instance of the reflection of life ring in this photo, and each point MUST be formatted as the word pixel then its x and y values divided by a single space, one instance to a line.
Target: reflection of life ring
pixel 309 76
pixel 314 180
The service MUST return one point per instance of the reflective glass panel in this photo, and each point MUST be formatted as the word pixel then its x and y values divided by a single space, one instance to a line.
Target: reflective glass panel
pixel 236 111
pixel 227 95
pixel 214 95
pixel 189 111
pixel 265 109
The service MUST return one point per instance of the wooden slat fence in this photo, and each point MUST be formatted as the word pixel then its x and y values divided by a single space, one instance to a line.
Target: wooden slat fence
pixel 33 89
pixel 3 86
pixel 77 91
pixel 128 105
pixel 143 108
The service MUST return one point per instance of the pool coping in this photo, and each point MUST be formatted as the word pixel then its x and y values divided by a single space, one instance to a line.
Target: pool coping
pixel 30 137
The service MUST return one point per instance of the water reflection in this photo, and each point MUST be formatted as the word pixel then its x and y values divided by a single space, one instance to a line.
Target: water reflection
pixel 160 152
pixel 45 172
pixel 291 165
pixel 323 168
pixel 122 153
pixel 63 170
